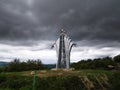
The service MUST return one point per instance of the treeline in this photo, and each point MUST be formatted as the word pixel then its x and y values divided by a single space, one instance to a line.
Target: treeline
pixel 17 65
pixel 98 63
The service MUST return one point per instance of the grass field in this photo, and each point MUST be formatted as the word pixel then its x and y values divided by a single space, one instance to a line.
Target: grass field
pixel 48 73
pixel 61 80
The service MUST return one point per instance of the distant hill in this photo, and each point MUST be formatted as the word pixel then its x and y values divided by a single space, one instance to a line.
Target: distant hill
pixel 3 63
pixel 50 65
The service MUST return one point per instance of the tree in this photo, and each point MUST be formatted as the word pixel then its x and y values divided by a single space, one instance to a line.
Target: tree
pixel 31 64
pixel 117 59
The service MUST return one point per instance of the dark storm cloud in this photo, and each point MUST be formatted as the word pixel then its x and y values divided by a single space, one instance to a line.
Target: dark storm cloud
pixel 97 21
pixel 17 22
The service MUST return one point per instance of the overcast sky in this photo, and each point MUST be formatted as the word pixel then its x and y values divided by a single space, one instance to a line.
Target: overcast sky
pixel 28 28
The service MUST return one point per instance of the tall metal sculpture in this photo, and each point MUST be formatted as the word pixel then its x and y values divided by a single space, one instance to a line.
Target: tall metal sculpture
pixel 63 48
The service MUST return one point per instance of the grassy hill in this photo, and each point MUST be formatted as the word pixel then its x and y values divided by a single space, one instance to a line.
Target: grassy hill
pixel 49 73
pixel 61 80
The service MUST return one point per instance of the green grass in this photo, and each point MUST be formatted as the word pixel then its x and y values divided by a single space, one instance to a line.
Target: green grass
pixel 94 72
pixel 50 73
pixel 61 80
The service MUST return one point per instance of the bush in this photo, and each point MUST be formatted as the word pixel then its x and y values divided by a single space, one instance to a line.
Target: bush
pixel 16 65
pixel 115 81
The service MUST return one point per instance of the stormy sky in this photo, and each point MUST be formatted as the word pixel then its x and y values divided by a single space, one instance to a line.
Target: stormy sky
pixel 28 28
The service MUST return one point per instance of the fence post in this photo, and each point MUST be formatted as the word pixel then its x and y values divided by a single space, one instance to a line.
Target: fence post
pixel 34 79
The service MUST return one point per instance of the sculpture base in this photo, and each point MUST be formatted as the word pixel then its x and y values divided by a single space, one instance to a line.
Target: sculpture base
pixel 62 69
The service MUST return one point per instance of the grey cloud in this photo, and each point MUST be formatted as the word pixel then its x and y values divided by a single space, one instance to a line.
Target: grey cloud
pixel 90 20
